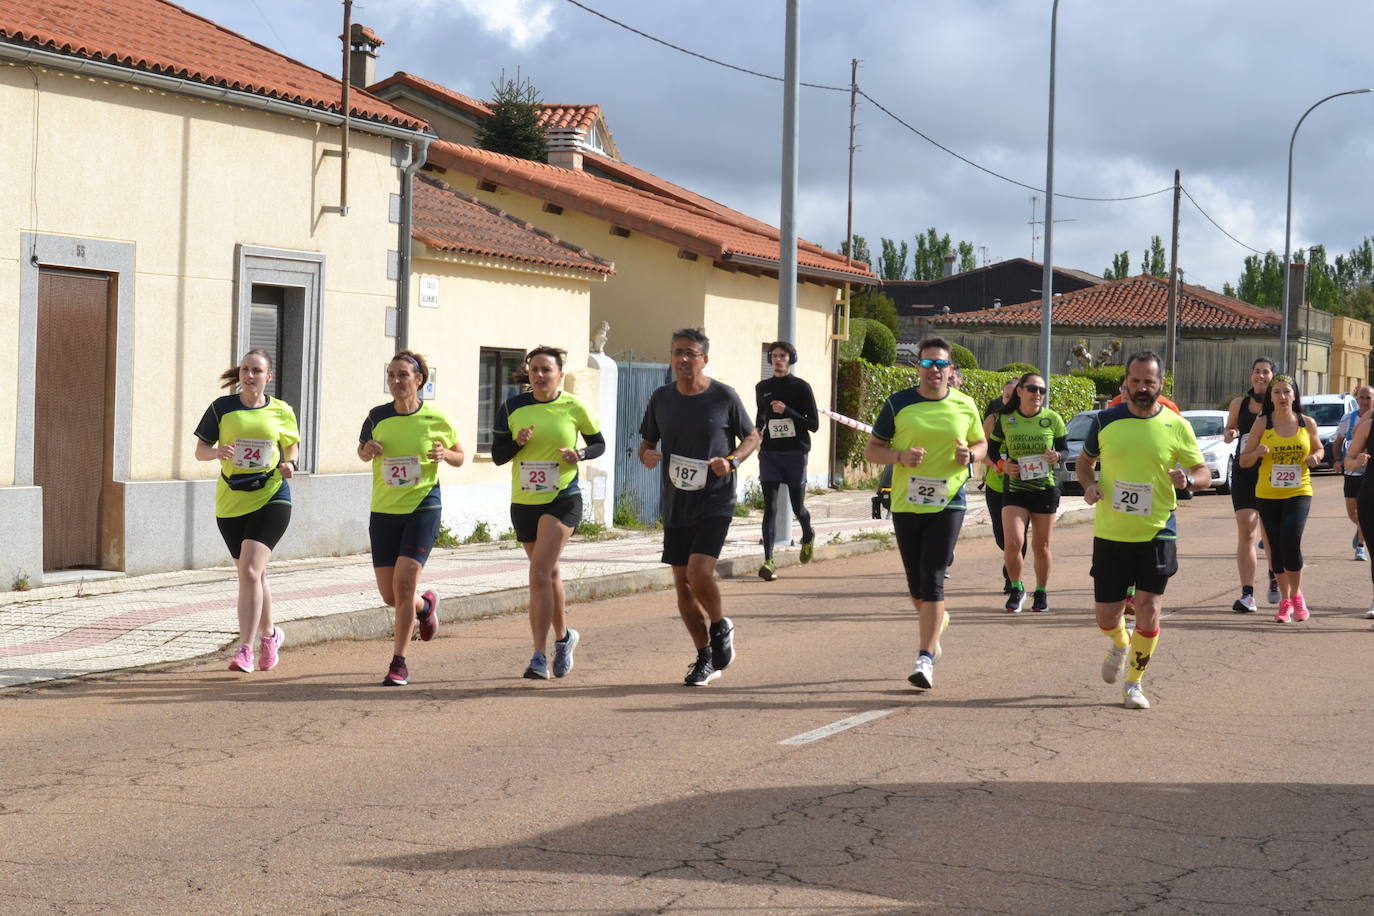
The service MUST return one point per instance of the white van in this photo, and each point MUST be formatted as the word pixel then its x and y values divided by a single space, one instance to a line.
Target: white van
pixel 1327 410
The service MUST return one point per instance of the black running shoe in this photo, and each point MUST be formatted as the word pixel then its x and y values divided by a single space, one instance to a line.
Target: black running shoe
pixel 722 644
pixel 1040 601
pixel 700 672
pixel 1015 599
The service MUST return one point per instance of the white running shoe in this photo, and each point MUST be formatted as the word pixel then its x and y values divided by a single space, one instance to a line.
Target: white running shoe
pixel 1134 697
pixel 1245 604
pixel 923 672
pixel 1369 614
pixel 1114 663
pixel 1360 554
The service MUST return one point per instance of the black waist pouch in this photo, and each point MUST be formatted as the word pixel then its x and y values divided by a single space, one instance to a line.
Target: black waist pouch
pixel 248 482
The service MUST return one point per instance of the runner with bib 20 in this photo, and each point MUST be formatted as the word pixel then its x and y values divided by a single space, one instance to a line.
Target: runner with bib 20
pixel 1141 446
pixel 539 428
pixel 931 434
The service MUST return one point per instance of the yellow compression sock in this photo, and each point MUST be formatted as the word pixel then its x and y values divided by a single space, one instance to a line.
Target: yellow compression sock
pixel 1142 647
pixel 1118 636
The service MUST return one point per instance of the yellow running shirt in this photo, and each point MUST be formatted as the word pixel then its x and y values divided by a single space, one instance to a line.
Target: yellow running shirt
pixel 1136 453
pixel 259 435
pixel 910 420
pixel 404 478
pixel 1283 472
pixel 539 475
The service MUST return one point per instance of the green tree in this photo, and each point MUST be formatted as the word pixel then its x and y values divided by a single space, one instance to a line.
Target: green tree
pixel 1152 261
pixel 1228 290
pixel 892 262
pixel 1261 281
pixel 513 128
pixel 876 305
pixel 928 262
pixel 967 261
pixel 1121 267
pixel 860 249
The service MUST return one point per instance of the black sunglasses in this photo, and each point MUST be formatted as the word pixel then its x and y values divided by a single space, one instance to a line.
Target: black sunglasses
pixel 1034 389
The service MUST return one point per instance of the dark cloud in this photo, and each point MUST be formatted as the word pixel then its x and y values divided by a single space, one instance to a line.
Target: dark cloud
pixel 1209 87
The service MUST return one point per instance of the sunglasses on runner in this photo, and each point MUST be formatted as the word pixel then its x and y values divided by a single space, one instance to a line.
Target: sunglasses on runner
pixel 1034 389
pixel 934 363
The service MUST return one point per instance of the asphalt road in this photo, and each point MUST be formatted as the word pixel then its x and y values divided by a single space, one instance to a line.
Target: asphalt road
pixel 1018 785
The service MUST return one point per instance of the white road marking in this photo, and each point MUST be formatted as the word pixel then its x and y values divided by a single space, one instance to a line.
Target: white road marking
pixel 825 731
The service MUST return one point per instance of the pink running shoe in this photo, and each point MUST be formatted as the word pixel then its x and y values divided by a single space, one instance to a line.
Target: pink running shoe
pixel 243 659
pixel 1285 610
pixel 428 619
pixel 1300 612
pixel 268 646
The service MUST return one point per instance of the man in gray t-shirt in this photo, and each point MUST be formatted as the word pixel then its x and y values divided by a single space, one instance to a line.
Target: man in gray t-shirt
pixel 698 430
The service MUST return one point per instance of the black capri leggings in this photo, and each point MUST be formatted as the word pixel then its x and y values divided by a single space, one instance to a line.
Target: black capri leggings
pixel 795 495
pixel 926 542
pixel 1284 521
pixel 1364 511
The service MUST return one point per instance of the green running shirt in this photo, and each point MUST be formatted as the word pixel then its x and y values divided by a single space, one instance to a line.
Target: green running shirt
pixel 259 435
pixel 1135 454
pixel 538 473
pixel 404 478
pixel 910 420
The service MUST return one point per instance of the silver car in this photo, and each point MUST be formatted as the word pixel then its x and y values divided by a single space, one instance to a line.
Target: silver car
pixel 1208 427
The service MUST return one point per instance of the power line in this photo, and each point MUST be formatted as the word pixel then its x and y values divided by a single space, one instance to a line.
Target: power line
pixel 1215 223
pixel 280 41
pixel 875 102
pixel 712 60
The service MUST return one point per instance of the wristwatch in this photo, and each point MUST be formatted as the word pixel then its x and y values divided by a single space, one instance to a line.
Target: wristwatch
pixel 734 462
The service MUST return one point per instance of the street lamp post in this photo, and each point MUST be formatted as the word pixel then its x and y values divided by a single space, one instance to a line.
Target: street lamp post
pixel 1047 276
pixel 1288 234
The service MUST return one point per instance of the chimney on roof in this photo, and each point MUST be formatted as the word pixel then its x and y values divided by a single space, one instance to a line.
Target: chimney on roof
pixel 997 303
pixel 949 264
pixel 565 148
pixel 1297 274
pixel 362 55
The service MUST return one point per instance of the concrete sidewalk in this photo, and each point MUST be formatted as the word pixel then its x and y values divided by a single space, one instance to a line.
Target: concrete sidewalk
pixel 90 626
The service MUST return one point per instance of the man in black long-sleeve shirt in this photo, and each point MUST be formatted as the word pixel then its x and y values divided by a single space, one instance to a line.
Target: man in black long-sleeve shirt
pixel 786 417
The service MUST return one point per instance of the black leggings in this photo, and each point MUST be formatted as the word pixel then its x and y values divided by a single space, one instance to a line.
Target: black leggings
pixel 1364 511
pixel 996 499
pixel 926 543
pixel 795 495
pixel 1283 521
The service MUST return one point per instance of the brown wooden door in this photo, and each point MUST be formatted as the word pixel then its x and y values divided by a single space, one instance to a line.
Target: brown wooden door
pixel 70 413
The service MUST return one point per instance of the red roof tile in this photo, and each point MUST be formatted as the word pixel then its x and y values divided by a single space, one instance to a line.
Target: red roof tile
pixel 1134 302
pixel 474 107
pixel 714 231
pixel 160 37
pixel 567 117
pixel 446 219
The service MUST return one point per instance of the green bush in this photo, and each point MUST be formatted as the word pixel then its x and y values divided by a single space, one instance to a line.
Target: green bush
pixel 963 357
pixel 446 537
pixel 863 387
pixel 1018 369
pixel 853 348
pixel 481 534
pixel 880 344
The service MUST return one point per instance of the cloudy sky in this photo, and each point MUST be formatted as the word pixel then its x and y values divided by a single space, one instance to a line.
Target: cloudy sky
pixel 1211 87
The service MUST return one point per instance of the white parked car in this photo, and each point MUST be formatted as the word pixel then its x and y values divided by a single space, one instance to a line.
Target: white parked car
pixel 1327 410
pixel 1209 427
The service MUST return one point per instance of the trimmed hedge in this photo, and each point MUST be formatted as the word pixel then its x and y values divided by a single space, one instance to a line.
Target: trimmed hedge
pixel 963 357
pixel 880 344
pixel 863 387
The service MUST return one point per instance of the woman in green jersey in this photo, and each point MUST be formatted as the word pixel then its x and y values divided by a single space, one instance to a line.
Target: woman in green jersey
pixel 538 428
pixel 255 439
pixel 405 440
pixel 1026 440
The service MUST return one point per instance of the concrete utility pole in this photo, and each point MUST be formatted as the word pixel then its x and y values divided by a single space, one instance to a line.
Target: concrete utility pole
pixel 1171 327
pixel 1047 277
pixel 787 244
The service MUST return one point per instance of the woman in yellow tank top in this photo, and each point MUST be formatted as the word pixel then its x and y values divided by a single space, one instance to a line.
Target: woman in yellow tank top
pixel 1284 444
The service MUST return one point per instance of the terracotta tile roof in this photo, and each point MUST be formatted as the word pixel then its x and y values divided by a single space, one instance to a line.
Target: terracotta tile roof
pixel 568 117
pixel 446 219
pixel 718 233
pixel 1134 302
pixel 474 107
pixel 160 37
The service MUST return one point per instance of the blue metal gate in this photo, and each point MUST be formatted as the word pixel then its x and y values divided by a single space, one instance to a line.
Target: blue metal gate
pixel 637 487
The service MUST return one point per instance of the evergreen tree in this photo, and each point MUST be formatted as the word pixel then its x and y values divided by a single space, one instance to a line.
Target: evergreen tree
pixel 1121 267
pixel 513 128
pixel 1152 261
pixel 967 261
pixel 872 304
pixel 892 262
